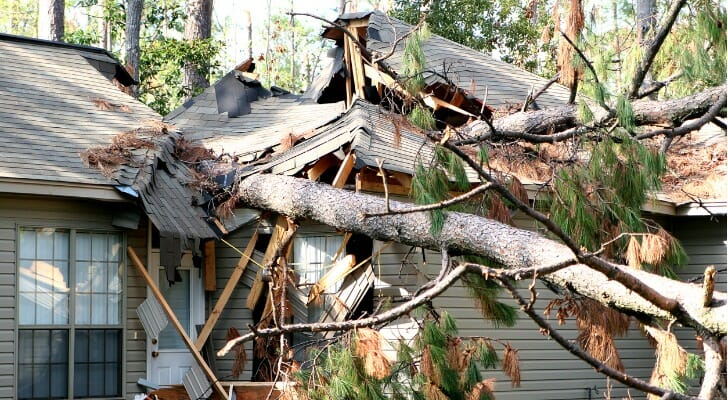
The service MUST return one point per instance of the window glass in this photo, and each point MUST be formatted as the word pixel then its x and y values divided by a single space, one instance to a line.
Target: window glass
pixel 313 256
pixel 46 271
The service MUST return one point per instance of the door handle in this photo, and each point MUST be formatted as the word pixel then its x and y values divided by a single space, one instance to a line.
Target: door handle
pixel 155 354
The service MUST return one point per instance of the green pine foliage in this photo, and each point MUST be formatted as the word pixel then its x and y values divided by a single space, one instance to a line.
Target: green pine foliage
pixel 590 202
pixel 422 118
pixel 414 62
pixel 625 114
pixel 437 358
pixel 432 184
pixel 485 293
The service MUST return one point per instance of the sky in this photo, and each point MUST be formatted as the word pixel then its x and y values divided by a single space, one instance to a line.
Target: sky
pixel 234 10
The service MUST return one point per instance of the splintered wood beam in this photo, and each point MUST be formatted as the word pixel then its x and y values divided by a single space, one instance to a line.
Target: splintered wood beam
pixel 430 99
pixel 437 103
pixel 356 61
pixel 210 277
pixel 258 286
pixel 358 23
pixel 369 182
pixel 227 292
pixel 347 61
pixel 344 170
pixel 217 387
pixel 321 166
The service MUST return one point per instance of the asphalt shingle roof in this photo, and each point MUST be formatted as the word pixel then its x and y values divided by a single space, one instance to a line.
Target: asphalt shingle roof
pixel 469 69
pixel 57 101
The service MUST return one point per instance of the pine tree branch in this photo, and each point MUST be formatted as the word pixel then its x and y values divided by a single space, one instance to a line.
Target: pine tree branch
pixel 572 348
pixel 654 47
pixel 436 206
pixel 684 129
pixel 613 285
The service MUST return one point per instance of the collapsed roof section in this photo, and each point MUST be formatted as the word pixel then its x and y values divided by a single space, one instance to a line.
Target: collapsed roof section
pixel 456 77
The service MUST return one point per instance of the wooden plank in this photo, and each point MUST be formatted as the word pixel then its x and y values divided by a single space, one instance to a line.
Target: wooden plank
pixel 175 322
pixel 344 170
pixel 321 166
pixel 358 23
pixel 257 290
pixel 210 277
pixel 347 61
pixel 356 62
pixel 369 182
pixel 437 103
pixel 227 291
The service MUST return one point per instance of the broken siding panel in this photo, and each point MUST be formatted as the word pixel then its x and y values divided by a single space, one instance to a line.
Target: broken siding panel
pixel 704 240
pixel 235 314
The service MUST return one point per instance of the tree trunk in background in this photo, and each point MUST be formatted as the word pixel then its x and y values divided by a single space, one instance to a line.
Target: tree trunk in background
pixel 131 41
pixel 249 32
pixel 50 19
pixel 646 25
pixel 197 27
pixel 342 6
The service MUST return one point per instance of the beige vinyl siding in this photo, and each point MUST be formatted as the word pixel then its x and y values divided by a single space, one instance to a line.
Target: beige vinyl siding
pixel 704 240
pixel 136 293
pixel 235 314
pixel 18 211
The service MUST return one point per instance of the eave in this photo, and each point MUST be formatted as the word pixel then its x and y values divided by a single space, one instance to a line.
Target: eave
pixel 60 189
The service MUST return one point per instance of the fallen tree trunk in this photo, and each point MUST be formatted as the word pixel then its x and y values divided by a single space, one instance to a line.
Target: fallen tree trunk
pixel 554 120
pixel 471 234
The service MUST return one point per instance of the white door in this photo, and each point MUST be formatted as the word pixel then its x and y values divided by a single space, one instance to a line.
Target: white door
pixel 168 357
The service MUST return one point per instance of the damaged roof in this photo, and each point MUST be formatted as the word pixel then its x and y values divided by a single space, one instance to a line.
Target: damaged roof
pixel 268 122
pixel 59 100
pixel 372 132
pixel 472 70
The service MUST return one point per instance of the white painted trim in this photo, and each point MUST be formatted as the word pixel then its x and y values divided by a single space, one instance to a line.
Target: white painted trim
pixel 705 208
pixel 61 189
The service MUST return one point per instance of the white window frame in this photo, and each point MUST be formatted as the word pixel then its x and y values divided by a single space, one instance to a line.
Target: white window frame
pixel 71 327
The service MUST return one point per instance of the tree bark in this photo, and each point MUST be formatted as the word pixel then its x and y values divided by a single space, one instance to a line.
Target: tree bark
pixel 198 26
pixel 131 43
pixel 470 234
pixel 647 112
pixel 51 19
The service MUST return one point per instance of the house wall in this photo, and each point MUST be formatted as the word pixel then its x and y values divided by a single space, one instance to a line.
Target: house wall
pixel 27 211
pixel 235 314
pixel 704 239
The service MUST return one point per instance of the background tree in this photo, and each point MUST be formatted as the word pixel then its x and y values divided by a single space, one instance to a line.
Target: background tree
pixel 507 26
pixel 131 43
pixel 19 17
pixel 51 19
pixel 198 27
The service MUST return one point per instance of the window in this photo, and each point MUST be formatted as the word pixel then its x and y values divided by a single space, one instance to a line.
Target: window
pixel 313 256
pixel 69 314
